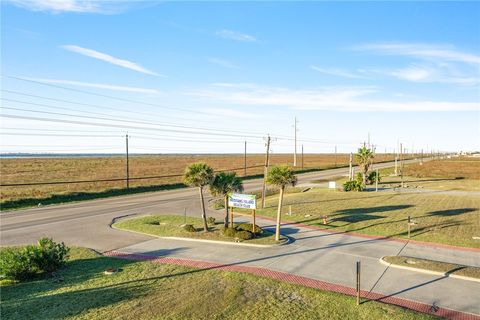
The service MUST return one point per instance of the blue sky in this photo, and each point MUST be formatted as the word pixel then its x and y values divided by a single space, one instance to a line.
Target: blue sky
pixel 196 77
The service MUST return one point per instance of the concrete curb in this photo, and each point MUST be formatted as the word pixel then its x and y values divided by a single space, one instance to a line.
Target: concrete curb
pixel 304 281
pixel 230 243
pixel 210 241
pixel 437 273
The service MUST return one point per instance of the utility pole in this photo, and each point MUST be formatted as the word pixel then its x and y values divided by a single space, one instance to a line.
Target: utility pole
pixel 401 162
pixel 421 158
pixel 350 171
pixel 265 172
pixel 369 140
pixel 245 160
pixel 396 160
pixel 128 171
pixel 335 156
pixel 302 156
pixel 295 150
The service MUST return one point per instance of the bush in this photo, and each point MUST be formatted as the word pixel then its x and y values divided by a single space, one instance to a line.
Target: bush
pixel 248 227
pixel 17 263
pixel 353 186
pixel 49 255
pixel 189 228
pixel 211 220
pixel 23 263
pixel 229 232
pixel 244 235
pixel 372 177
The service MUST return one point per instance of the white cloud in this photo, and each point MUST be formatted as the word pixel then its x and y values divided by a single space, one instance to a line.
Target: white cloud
pixel 110 59
pixel 224 63
pixel 346 99
pixel 57 6
pixel 337 72
pixel 420 50
pixel 98 85
pixel 412 73
pixel 235 35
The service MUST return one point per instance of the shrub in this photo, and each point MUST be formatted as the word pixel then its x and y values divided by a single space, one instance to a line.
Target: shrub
pixel 49 255
pixel 372 177
pixel 229 232
pixel 353 186
pixel 189 228
pixel 244 235
pixel 248 227
pixel 17 263
pixel 211 220
pixel 23 263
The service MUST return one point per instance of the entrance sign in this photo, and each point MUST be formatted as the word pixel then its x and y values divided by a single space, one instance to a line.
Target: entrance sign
pixel 244 201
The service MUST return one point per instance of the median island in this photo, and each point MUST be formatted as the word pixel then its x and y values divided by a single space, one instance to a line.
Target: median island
pixel 192 229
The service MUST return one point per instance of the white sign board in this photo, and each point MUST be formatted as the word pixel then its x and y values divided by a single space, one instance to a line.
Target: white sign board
pixel 332 185
pixel 244 201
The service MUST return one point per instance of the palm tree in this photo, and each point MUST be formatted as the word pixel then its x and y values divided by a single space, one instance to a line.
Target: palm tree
pixel 224 183
pixel 364 158
pixel 199 175
pixel 280 176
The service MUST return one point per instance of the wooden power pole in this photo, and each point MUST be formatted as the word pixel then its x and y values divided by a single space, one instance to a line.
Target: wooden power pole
pixel 127 169
pixel 245 160
pixel 265 172
pixel 295 150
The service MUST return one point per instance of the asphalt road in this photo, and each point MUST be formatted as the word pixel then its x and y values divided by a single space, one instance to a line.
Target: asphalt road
pixel 313 253
pixel 87 223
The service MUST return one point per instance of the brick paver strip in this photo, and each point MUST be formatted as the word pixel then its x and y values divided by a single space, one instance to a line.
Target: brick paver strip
pixel 294 279
pixel 354 234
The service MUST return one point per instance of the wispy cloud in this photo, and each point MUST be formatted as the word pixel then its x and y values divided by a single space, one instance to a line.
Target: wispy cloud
pixel 224 63
pixel 57 6
pixel 235 35
pixel 420 50
pixel 345 99
pixel 110 59
pixel 97 85
pixel 337 72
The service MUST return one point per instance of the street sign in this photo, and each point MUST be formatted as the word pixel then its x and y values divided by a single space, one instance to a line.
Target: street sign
pixel 244 201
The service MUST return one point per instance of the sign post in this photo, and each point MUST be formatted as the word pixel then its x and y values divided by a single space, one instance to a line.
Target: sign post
pixel 242 201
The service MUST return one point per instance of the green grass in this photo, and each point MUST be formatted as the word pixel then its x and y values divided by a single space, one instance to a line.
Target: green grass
pixel 169 226
pixel 448 219
pixel 432 265
pixel 145 290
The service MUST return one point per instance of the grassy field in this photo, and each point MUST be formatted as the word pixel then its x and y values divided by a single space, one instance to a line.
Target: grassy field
pixel 32 170
pixel 169 226
pixel 145 290
pixel 450 174
pixel 439 266
pixel 448 219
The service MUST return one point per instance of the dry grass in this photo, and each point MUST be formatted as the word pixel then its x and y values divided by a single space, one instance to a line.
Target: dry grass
pixel 146 290
pixel 70 169
pixel 450 174
pixel 462 167
pixel 448 219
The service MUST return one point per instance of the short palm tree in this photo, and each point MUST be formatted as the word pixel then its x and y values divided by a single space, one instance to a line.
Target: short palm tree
pixel 199 175
pixel 224 183
pixel 364 158
pixel 281 177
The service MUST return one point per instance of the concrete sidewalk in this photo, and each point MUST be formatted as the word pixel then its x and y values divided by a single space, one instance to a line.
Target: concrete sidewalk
pixel 328 257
